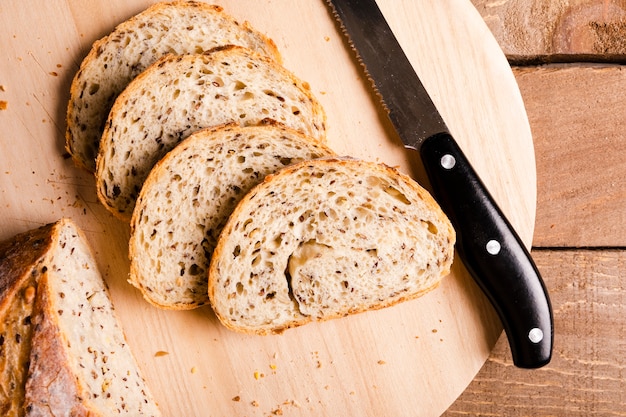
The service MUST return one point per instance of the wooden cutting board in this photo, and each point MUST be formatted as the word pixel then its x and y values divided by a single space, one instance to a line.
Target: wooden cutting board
pixel 411 359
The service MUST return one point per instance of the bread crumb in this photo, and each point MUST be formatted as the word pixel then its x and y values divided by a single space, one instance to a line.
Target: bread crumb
pixel 327 38
pixel 2 88
pixel 258 375
pixel 194 370
pixel 237 398
pixel 278 412
pixel 3 105
pixel 254 403
pixel 54 73
pixel 273 366
pixel 381 362
pixel 434 330
pixel 160 353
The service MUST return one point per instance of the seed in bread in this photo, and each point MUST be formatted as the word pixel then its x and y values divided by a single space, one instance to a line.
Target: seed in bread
pixel 179 95
pixel 326 238
pixel 78 360
pixel 179 27
pixel 188 197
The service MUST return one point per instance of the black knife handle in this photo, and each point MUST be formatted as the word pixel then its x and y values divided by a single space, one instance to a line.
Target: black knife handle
pixel 492 252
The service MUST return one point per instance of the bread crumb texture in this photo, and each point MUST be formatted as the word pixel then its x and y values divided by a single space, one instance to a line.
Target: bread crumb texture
pixel 327 238
pixel 188 197
pixel 179 27
pixel 180 95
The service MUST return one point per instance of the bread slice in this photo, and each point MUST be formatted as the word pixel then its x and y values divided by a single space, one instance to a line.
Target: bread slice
pixel 187 198
pixel 326 238
pixel 18 281
pixel 78 360
pixel 182 94
pixel 179 27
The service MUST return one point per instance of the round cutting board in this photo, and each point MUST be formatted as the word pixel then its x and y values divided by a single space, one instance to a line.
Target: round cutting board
pixel 411 359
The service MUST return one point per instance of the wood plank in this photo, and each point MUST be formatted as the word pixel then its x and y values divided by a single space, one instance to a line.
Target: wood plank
pixel 579 147
pixel 586 376
pixel 548 30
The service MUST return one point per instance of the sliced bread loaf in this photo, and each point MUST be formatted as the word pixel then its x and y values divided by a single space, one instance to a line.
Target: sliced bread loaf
pixel 179 95
pixel 326 238
pixel 179 27
pixel 78 360
pixel 188 197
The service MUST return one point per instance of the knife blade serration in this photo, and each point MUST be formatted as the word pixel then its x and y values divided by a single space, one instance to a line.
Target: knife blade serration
pixel 408 104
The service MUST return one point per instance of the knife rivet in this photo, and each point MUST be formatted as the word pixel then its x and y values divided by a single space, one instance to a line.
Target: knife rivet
pixel 448 161
pixel 535 335
pixel 493 247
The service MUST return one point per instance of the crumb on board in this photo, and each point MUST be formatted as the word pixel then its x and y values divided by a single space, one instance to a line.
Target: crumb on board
pixel 194 369
pixel 237 398
pixel 381 362
pixel 3 105
pixel 254 403
pixel 161 353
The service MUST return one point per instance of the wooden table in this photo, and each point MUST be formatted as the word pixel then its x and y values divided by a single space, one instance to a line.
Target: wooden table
pixel 569 63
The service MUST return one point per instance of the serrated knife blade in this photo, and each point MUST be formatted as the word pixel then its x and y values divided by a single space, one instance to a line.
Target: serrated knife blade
pixel 487 244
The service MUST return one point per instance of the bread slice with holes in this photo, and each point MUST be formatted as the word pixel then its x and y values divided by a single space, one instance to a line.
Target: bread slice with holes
pixel 182 94
pixel 188 198
pixel 64 352
pixel 179 27
pixel 323 239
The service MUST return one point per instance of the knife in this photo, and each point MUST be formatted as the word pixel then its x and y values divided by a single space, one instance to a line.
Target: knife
pixel 487 244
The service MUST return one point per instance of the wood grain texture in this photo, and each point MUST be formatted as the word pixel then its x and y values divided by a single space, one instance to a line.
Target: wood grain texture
pixel 587 374
pixel 557 30
pixel 576 117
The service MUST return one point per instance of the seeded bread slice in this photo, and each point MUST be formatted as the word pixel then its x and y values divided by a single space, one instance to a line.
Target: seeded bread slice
pixel 326 238
pixel 78 360
pixel 179 95
pixel 188 197
pixel 179 27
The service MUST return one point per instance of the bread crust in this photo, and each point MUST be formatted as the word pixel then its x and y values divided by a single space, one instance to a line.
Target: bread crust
pixel 82 136
pixel 222 302
pixel 51 388
pixel 19 260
